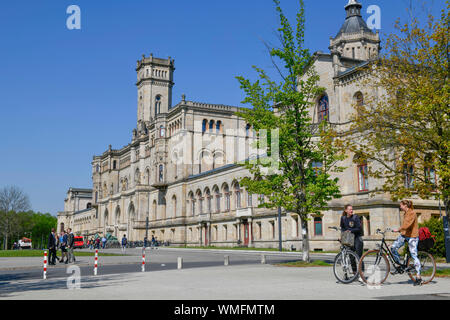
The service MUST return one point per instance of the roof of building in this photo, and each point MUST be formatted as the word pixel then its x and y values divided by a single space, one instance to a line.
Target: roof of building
pixel 353 23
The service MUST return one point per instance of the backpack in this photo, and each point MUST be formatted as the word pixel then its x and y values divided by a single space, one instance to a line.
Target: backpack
pixel 424 233
pixel 426 240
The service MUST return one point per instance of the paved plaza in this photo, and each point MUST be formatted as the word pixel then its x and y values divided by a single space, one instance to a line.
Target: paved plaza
pixel 203 277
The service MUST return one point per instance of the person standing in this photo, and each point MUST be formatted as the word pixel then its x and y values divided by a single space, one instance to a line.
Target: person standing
pixel 351 222
pixel 70 243
pixel 409 232
pixel 97 243
pixel 51 246
pixel 103 242
pixel 63 245
pixel 124 243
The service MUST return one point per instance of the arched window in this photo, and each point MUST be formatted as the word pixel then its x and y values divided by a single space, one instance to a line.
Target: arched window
pixel 226 192
pixel 154 209
pixel 247 130
pixel 204 124
pixel 211 125
pixel 174 206
pixel 219 127
pixel 117 218
pixel 192 200
pixel 162 132
pixel 237 193
pixel 137 177
pixel 323 108
pixel 161 173
pixel 208 200
pixel 359 99
pixel 157 105
pixel 217 198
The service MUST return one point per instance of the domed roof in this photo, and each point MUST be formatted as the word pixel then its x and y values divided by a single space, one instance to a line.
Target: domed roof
pixel 353 22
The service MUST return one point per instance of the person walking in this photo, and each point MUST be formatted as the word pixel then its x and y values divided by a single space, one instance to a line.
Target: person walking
pixel 103 242
pixel 63 245
pixel 70 243
pixel 51 246
pixel 124 243
pixel 409 232
pixel 97 243
pixel 153 240
pixel 350 222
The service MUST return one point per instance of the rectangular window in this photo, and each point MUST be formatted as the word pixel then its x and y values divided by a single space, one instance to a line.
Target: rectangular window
pixel 318 227
pixel 363 181
pixel 249 199
pixel 408 172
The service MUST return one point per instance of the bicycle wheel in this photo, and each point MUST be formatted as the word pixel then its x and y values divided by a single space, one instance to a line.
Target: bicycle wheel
pixel 376 267
pixel 427 267
pixel 342 267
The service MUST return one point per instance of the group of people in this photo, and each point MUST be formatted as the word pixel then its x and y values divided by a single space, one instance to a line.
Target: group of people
pixel 65 242
pixel 95 243
pixel 409 233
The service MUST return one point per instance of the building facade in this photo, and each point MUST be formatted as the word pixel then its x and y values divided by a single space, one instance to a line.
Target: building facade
pixel 178 179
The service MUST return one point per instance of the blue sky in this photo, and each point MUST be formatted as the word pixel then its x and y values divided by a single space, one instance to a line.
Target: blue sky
pixel 65 95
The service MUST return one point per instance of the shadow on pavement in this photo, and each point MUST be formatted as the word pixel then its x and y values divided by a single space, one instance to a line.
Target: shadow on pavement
pixel 9 289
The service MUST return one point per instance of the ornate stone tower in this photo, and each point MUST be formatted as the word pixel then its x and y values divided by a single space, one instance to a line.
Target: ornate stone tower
pixel 354 40
pixel 154 82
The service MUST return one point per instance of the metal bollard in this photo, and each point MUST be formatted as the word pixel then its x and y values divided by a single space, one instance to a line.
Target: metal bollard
pixel 96 259
pixel 45 265
pixel 180 263
pixel 143 259
pixel 263 259
pixel 227 260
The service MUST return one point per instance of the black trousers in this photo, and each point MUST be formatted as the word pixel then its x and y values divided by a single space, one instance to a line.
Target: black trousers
pixel 358 248
pixel 52 256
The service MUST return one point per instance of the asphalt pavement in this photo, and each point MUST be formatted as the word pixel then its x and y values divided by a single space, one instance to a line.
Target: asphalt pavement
pixel 203 277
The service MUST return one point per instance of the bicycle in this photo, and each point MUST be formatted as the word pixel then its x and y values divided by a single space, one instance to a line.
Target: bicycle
pixel 377 267
pixel 345 263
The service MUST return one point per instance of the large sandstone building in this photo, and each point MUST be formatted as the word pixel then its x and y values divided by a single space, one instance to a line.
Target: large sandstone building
pixel 180 170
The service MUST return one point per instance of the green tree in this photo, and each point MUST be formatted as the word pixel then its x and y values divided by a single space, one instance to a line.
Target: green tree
pixel 12 200
pixel 296 174
pixel 404 131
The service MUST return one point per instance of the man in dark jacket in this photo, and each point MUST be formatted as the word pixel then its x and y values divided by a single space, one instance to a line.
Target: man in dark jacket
pixel 52 248
pixel 70 243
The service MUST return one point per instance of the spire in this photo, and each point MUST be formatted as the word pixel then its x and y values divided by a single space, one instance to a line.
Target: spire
pixel 353 8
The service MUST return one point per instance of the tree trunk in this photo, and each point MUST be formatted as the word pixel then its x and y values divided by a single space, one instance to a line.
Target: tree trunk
pixel 305 240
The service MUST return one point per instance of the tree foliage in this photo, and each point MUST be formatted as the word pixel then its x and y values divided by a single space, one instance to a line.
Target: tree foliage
pixel 17 221
pixel 292 179
pixel 403 128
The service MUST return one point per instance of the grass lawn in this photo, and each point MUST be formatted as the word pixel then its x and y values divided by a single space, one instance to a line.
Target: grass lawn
pixel 40 253
pixel 443 273
pixel 303 264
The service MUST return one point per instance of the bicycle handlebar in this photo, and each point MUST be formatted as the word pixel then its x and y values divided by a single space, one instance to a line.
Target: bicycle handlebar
pixel 383 232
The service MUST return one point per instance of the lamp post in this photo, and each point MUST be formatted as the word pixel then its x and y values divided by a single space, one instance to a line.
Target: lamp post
pixel 280 247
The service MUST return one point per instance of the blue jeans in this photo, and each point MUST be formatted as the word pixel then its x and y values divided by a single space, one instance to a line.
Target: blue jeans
pixel 412 243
